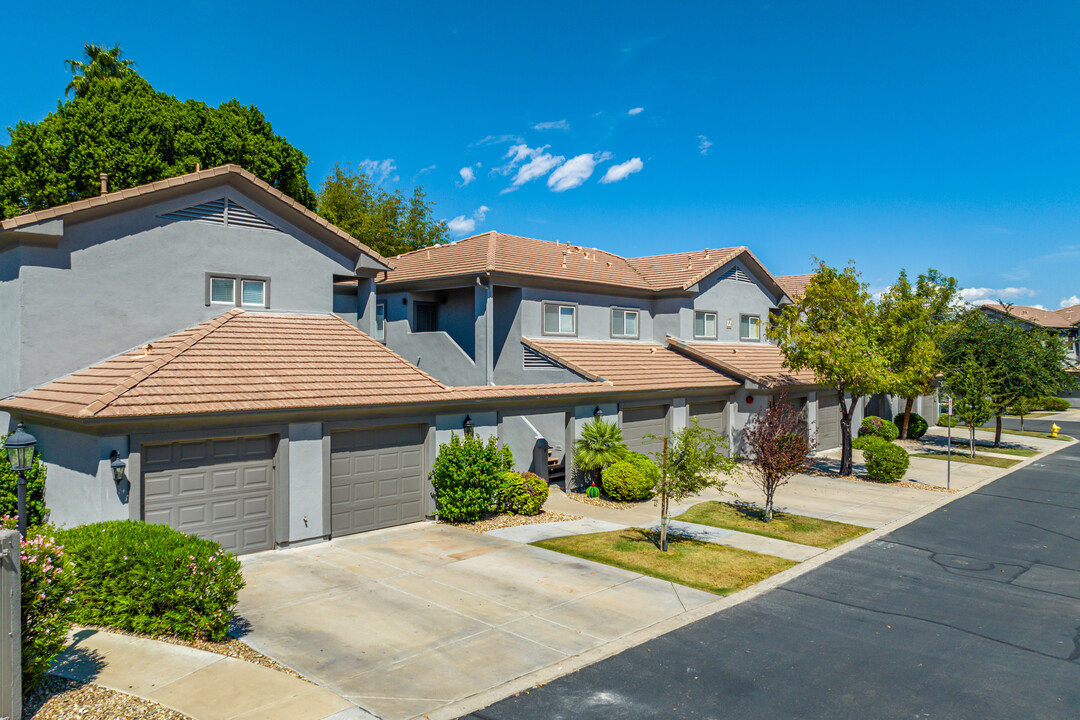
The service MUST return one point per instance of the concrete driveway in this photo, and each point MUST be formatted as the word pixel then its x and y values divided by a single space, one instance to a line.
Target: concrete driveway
pixel 405 621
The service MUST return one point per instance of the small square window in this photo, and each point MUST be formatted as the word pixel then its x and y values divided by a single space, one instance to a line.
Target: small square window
pixel 750 327
pixel 704 324
pixel 560 319
pixel 624 323
pixel 223 290
pixel 380 322
pixel 253 292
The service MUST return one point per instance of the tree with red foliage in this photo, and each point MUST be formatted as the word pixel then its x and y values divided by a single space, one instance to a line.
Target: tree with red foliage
pixel 778 447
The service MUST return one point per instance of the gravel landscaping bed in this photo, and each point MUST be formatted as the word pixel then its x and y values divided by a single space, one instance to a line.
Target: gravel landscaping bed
pixel 495 522
pixel 61 699
pixel 232 647
pixel 604 501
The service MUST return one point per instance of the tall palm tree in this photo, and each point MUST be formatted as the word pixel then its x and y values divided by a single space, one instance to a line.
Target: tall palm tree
pixel 601 444
pixel 101 64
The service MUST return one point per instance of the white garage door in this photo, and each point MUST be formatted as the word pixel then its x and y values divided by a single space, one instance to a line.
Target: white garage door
pixel 222 490
pixel 376 478
pixel 641 421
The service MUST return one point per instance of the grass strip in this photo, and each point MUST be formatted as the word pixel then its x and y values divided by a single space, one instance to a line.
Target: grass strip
pixel 998 462
pixel 784 526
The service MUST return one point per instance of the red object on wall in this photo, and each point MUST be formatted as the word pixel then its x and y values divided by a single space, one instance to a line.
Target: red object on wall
pixel 749 399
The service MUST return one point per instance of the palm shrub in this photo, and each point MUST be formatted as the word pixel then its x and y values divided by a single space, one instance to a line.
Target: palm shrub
pixel 601 444
pixel 465 475
pixel 886 462
pixel 520 494
pixel 36 513
pixel 152 579
pixel 878 426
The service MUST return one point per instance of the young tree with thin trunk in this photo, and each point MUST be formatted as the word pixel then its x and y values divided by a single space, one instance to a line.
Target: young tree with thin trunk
pixel 969 385
pixel 691 460
pixel 913 316
pixel 777 446
pixel 835 330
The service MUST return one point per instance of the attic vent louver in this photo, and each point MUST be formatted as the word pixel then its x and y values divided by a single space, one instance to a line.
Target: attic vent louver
pixel 736 273
pixel 222 211
pixel 536 361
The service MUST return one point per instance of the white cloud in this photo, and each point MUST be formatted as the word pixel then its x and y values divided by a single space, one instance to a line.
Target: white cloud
pixel 540 164
pixel 703 144
pixel 425 171
pixel 467 174
pixel 553 125
pixel 462 225
pixel 1069 301
pixel 982 295
pixel 575 171
pixel 380 171
pixel 619 172
pixel 635 111
pixel 496 140
pixel 517 154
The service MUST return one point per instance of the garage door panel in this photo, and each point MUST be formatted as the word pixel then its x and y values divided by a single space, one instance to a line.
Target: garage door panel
pixel 828 421
pixel 217 489
pixel 376 478
pixel 711 415
pixel 641 421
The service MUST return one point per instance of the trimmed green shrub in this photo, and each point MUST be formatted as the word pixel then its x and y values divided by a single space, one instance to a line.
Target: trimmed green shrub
pixel 1053 404
pixel 886 462
pixel 47 578
pixel 520 494
pixel 864 442
pixel 880 427
pixel 646 466
pixel 465 475
pixel 948 420
pixel 507 457
pixel 36 514
pixel 917 425
pixel 152 579
pixel 625 481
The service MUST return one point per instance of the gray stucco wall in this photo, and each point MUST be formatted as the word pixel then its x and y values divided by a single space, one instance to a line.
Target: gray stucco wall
pixel 729 299
pixel 10 285
pixel 306 486
pixel 521 432
pixel 79 487
pixel 125 279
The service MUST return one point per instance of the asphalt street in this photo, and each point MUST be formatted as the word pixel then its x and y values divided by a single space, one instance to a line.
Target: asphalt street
pixel 972 611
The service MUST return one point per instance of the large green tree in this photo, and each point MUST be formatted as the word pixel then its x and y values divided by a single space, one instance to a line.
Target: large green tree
pixel 100 64
pixel 137 135
pixel 913 316
pixel 1020 361
pixel 835 330
pixel 388 222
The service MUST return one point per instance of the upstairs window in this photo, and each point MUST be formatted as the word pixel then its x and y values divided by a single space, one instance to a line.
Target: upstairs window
pixel 705 325
pixel 560 319
pixel 223 291
pixel 237 290
pixel 750 328
pixel 380 321
pixel 253 292
pixel 624 323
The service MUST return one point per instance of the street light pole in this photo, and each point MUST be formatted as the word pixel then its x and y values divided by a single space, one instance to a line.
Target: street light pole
pixel 20 451
pixel 22 504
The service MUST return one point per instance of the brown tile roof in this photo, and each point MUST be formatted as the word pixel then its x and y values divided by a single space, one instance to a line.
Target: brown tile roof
pixel 681 270
pixel 632 365
pixel 762 363
pixel 234 171
pixel 1058 319
pixel 510 254
pixel 1070 314
pixel 794 285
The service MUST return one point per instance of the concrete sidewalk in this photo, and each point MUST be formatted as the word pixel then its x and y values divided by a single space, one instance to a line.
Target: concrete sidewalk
pixel 202 685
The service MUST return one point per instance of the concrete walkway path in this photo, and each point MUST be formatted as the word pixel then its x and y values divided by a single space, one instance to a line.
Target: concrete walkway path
pixel 202 685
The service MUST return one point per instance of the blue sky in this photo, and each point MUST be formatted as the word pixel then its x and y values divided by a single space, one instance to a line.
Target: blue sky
pixel 899 134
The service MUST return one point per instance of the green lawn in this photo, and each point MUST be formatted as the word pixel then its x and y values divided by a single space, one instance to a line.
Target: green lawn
pixel 784 526
pixel 705 566
pixel 999 462
pixel 1032 433
pixel 989 447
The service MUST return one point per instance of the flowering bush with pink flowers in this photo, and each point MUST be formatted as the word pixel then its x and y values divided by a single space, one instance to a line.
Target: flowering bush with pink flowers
pixel 47 579
pixel 152 579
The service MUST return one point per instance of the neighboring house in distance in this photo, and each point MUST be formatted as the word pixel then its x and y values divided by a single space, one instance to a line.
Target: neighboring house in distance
pixel 1065 322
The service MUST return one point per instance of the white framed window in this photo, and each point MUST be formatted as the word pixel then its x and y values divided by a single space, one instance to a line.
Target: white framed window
pixel 223 290
pixel 704 324
pixel 750 328
pixel 560 319
pixel 380 321
pixel 253 292
pixel 624 323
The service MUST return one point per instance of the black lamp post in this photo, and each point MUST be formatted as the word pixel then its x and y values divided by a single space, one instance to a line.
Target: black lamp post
pixel 598 413
pixel 20 449
pixel 117 466
pixel 468 426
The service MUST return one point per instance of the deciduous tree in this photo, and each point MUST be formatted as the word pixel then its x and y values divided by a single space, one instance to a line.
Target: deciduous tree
pixel 969 385
pixel 777 447
pixel 835 330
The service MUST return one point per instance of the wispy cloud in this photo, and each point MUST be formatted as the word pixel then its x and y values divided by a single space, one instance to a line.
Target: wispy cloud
pixel 1069 301
pixel 496 140
pixel 462 225
pixel 703 144
pixel 575 171
pixel 540 163
pixel 635 111
pixel 615 173
pixel 380 171
pixel 423 171
pixel 467 174
pixel 982 295
pixel 552 125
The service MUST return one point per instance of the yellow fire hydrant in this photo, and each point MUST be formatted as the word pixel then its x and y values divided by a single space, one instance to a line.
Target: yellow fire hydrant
pixel 1054 430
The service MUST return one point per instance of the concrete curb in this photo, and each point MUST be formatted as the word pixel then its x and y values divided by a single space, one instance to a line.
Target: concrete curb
pixel 556 670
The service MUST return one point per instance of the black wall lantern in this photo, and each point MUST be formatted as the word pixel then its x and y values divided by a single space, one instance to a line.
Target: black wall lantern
pixel 598 413
pixel 20 451
pixel 117 466
pixel 468 426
